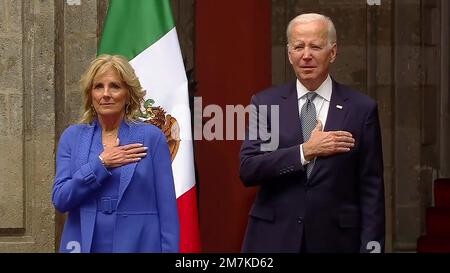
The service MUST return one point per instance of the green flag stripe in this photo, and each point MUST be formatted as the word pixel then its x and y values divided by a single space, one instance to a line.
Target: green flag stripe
pixel 132 26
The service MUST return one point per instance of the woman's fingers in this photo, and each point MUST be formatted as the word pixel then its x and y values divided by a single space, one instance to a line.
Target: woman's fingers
pixel 137 150
pixel 122 155
pixel 131 146
pixel 135 155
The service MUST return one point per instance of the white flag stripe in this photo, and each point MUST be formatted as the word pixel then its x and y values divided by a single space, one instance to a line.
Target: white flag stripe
pixel 162 74
pixel 160 69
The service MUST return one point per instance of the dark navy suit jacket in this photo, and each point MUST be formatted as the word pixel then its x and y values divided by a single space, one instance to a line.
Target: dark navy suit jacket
pixel 340 208
pixel 147 214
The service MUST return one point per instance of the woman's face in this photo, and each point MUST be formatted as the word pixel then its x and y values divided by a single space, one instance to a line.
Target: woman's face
pixel 109 94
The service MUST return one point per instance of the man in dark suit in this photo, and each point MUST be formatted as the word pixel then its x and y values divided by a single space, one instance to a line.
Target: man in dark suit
pixel 321 189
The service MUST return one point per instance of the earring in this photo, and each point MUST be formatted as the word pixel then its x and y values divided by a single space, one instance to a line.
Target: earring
pixel 127 108
pixel 93 110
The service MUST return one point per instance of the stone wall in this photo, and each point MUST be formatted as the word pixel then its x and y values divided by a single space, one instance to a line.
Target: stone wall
pixel 27 125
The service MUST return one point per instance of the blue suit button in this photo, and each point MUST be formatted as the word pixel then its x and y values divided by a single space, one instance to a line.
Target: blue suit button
pixel 300 220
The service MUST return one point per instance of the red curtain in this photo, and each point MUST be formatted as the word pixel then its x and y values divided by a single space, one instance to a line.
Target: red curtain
pixel 233 61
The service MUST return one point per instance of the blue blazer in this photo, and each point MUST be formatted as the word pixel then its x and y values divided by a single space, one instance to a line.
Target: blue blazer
pixel 147 214
pixel 341 207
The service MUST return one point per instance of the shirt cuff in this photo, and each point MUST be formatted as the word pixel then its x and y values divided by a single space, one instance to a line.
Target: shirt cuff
pixel 302 156
pixel 100 171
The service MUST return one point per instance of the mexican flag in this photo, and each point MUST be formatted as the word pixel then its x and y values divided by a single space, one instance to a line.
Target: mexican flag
pixel 144 32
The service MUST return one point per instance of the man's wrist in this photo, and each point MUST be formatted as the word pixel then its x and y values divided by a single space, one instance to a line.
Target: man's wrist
pixel 302 156
pixel 307 152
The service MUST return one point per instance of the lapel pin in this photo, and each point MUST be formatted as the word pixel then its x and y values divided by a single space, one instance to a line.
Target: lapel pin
pixel 339 107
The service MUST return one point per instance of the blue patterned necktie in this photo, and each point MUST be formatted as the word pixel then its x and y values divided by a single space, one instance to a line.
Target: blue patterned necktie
pixel 309 120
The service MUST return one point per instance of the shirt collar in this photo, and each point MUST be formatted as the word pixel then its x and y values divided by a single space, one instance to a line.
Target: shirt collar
pixel 323 91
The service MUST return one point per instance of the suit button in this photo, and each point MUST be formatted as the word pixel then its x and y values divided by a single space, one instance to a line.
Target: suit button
pixel 300 220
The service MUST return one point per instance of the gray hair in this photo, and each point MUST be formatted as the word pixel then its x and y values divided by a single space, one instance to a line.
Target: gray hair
pixel 310 17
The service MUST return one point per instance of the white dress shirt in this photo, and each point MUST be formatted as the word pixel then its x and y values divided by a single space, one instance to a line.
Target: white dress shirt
pixel 321 102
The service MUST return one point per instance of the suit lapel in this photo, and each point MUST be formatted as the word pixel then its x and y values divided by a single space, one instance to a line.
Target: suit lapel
pixel 84 144
pixel 337 112
pixel 128 134
pixel 290 116
pixel 338 109
pixel 87 218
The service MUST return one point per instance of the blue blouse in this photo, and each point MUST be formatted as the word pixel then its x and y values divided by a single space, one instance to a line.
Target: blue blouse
pixel 106 200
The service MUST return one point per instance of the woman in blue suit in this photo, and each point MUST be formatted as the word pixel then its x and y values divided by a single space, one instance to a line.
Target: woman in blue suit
pixel 113 173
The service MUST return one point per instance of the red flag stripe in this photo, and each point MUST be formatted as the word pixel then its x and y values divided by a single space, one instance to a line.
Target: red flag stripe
pixel 189 228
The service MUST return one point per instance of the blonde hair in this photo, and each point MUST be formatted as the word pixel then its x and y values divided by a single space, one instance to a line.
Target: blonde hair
pixel 310 17
pixel 126 72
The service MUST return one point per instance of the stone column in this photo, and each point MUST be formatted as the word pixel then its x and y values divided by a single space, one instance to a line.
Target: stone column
pixel 408 79
pixel 27 125
pixel 445 90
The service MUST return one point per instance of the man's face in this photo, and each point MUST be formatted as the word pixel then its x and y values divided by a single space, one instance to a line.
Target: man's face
pixel 310 53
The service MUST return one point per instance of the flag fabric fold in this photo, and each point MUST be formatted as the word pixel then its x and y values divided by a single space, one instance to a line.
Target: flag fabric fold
pixel 144 32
